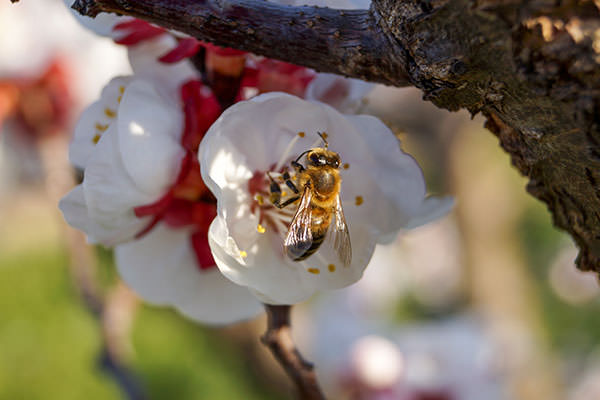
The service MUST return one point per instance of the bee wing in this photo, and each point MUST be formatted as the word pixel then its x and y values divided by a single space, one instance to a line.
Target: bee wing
pixel 339 235
pixel 299 236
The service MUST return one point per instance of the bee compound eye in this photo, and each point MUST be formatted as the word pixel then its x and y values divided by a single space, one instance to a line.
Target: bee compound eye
pixel 313 158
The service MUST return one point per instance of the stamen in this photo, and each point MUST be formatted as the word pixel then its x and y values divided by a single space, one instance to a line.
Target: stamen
pixel 109 113
pixel 96 138
pixel 100 128
pixel 286 152
pixel 315 271
pixel 359 200
pixel 260 228
pixel 331 267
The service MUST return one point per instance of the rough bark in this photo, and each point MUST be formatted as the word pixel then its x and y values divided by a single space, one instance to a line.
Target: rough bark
pixel 530 67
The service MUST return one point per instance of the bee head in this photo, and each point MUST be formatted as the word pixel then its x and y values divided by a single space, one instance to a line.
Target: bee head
pixel 321 157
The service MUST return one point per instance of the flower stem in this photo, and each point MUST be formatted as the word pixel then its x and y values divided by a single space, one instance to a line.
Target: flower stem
pixel 278 338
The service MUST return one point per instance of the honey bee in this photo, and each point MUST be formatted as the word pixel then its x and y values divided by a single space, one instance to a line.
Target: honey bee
pixel 318 189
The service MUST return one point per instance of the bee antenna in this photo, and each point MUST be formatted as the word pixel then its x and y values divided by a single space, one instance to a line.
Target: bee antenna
pixel 322 135
pixel 300 156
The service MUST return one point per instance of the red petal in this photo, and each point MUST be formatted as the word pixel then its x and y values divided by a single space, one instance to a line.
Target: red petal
pixel 156 208
pixel 222 51
pixel 136 31
pixel 201 110
pixel 202 250
pixel 185 48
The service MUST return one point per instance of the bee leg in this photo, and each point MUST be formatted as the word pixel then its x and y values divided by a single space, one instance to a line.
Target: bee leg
pixel 285 203
pixel 289 183
pixel 275 191
pixel 297 166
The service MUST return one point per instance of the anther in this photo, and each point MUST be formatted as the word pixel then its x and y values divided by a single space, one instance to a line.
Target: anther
pixel 359 200
pixel 109 113
pixel 96 138
pixel 315 271
pixel 243 254
pixel 260 228
pixel 331 267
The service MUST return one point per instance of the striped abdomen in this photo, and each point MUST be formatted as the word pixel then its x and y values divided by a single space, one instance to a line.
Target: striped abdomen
pixel 321 219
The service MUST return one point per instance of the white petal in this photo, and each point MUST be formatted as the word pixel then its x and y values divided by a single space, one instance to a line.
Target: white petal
pixel 102 24
pixel 432 208
pixel 110 195
pixel 149 138
pixel 274 277
pixel 167 77
pixel 162 269
pixel 95 120
pixel 343 94
pixel 74 209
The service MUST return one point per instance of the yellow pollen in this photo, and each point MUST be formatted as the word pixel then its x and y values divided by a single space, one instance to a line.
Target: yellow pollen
pixel 325 135
pixel 259 199
pixel 331 268
pixel 101 128
pixel 301 134
pixel 243 254
pixel 283 194
pixel 121 89
pixel 314 271
pixel 96 138
pixel 119 99
pixel 346 166
pixel 359 200
pixel 109 113
pixel 260 228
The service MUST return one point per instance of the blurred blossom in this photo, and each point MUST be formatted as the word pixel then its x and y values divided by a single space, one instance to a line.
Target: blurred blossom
pixel 376 362
pixel 33 34
pixel 570 284
pixel 344 94
pixel 409 266
pixel 449 359
pixel 263 135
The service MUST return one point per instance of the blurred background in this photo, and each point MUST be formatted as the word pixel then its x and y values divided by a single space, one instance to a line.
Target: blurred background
pixel 485 303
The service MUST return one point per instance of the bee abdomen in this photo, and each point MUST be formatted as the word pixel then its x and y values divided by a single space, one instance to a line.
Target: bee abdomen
pixel 316 243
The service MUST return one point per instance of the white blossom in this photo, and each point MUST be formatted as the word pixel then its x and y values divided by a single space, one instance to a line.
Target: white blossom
pixel 127 143
pixel 382 191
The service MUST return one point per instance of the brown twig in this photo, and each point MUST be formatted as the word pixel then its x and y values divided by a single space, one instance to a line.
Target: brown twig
pixel 278 338
pixel 345 42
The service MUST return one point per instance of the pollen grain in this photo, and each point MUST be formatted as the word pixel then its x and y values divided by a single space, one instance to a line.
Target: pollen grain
pixel 100 128
pixel 109 113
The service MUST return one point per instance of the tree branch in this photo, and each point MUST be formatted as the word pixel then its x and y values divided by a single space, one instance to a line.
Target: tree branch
pixel 278 338
pixel 532 68
pixel 346 42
